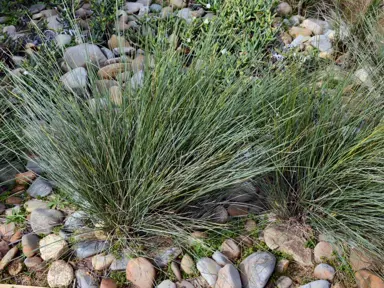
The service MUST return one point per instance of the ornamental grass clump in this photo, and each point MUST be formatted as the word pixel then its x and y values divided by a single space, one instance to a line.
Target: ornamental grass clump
pixel 145 165
pixel 332 177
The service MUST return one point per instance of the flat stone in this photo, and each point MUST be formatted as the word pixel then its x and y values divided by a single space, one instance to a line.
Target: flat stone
pixel 115 95
pixel 63 39
pixel 89 248
pixel 138 63
pixel 317 284
pixel 324 272
pixel 10 30
pixel 102 262
pixel 360 260
pixel 132 7
pixel 244 241
pixel 282 266
pixel 140 272
pixel 176 271
pixel 75 79
pixel 321 42
pixel 15 268
pixel 36 8
pixel 178 3
pixel 49 12
pixel 185 14
pixel 108 53
pixel 367 279
pixel 185 284
pixel 108 283
pixel 117 42
pixel 299 40
pixel 34 263
pixel 187 264
pixel 30 244
pixel 220 258
pixel 166 284
pixel 313 25
pixel 250 225
pixel 7 230
pixel 4 247
pixel 52 247
pixel 283 9
pixel 16 237
pixel 13 200
pixel 166 12
pixel 78 56
pixel 2 208
pixel 4 19
pixel 32 205
pixel 219 215
pixel 34 166
pixel 44 220
pixel 155 8
pixel 323 251
pixel 296 31
pixel 54 23
pixel 112 70
pixel 85 280
pixel 166 256
pixel 283 282
pixel 296 20
pixel 256 269
pixel 40 187
pixel 60 274
pixel 124 51
pixel 75 221
pixel 288 241
pixel 119 264
pixel 228 277
pixel 102 86
pixel 209 269
pixel 7 258
pixel 25 178
pixel 18 60
pixel 236 210
pixel 230 249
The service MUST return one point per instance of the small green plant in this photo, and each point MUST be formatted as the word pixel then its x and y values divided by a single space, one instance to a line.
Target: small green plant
pixel 57 201
pixel 119 277
pixel 17 217
pixel 311 243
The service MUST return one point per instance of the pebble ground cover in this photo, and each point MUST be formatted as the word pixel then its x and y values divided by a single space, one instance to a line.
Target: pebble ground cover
pixel 191 144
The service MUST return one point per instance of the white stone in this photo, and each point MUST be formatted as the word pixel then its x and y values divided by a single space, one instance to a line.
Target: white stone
pixel 63 39
pixel 220 258
pixel 75 79
pixel 209 269
pixel 60 274
pixel 321 42
pixel 79 55
pixel 166 284
pixel 317 284
pixel 102 262
pixel 228 277
pixel 52 247
pixel 283 282
pixel 256 269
